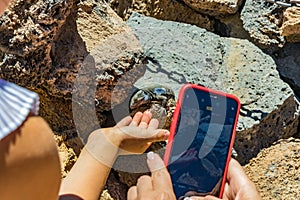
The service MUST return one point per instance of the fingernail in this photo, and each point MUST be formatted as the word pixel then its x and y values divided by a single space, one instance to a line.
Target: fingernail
pixel 187 198
pixel 166 134
pixel 148 112
pixel 150 155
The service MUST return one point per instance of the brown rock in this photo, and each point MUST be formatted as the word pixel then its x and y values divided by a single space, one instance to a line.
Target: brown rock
pixel 164 10
pixel 276 170
pixel 291 24
pixel 215 7
pixel 67 156
pixel 79 56
pixel 282 123
pixel 45 50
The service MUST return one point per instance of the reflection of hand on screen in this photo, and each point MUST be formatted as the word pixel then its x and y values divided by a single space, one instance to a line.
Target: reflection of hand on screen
pixel 212 165
pixel 187 157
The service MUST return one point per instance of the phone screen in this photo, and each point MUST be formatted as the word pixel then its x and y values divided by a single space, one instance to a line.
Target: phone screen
pixel 201 142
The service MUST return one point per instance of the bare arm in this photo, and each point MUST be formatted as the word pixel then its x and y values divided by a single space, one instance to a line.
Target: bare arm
pixel 89 174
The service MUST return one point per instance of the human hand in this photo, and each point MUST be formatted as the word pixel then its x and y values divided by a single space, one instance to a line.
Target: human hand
pixel 130 135
pixel 157 187
pixel 137 134
pixel 237 187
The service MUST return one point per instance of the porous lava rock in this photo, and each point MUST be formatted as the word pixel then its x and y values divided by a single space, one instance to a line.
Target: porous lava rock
pixel 215 7
pixel 262 20
pixel 275 171
pixel 185 53
pixel 291 24
pixel 44 45
pixel 164 10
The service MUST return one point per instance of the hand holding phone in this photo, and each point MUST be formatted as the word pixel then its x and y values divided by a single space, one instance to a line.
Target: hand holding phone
pixel 240 187
pixel 159 185
pixel 201 139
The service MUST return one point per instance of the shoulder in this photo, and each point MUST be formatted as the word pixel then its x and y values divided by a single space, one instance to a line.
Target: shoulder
pixel 16 104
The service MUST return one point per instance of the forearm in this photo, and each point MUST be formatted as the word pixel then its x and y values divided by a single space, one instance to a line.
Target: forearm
pixel 131 135
pixel 88 176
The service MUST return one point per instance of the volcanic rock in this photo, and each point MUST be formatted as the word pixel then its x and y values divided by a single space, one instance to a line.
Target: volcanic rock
pixel 185 53
pixel 215 7
pixel 291 24
pixel 44 45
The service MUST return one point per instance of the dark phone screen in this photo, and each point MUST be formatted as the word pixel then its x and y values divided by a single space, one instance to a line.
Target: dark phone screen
pixel 201 141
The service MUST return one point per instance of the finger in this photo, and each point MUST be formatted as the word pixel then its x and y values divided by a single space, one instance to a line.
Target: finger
pixel 236 175
pixel 144 185
pixel 194 153
pixel 136 119
pixel 238 180
pixel 132 193
pixel 145 119
pixel 157 135
pixel 153 124
pixel 189 153
pixel 227 191
pixel 160 175
pixel 125 121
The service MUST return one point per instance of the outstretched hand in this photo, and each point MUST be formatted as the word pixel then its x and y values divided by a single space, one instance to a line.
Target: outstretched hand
pixel 129 136
pixel 158 186
pixel 135 135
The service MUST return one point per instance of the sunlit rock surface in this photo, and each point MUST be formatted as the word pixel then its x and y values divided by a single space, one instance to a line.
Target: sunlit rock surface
pixel 185 53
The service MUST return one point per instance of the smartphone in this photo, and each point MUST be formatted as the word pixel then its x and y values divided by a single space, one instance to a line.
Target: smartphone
pixel 201 138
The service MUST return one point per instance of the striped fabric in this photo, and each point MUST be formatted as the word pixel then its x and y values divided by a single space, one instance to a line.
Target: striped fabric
pixel 15 105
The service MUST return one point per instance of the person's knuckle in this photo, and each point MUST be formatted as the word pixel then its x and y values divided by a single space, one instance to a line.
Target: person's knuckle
pixel 131 189
pixel 143 179
pixel 160 172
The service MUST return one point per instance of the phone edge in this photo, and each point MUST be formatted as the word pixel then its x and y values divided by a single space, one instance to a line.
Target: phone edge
pixel 175 117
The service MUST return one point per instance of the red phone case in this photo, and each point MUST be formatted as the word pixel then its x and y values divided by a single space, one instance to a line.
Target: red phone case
pixel 175 119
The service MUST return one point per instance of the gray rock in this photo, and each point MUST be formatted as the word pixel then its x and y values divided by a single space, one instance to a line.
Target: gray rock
pixel 183 53
pixel 262 21
pixel 282 123
pixel 180 53
pixel 288 65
